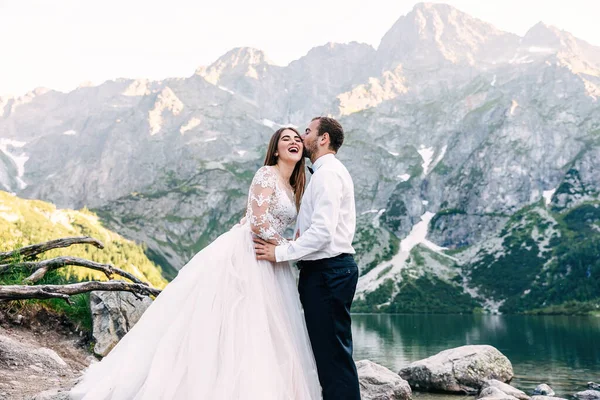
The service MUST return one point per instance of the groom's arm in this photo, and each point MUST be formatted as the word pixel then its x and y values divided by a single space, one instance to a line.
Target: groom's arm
pixel 328 192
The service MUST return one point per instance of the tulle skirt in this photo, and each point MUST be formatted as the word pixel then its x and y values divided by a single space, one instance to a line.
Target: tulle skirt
pixel 228 327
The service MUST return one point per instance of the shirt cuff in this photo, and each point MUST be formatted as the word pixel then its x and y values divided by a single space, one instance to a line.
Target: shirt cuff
pixel 281 252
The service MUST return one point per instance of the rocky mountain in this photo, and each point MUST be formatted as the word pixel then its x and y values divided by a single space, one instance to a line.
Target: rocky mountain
pixel 454 130
pixel 438 34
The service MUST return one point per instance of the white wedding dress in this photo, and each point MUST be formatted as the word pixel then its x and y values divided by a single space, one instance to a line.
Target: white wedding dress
pixel 228 327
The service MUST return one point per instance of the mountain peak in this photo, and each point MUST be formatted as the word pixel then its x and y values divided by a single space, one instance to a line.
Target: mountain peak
pixel 545 31
pixel 542 35
pixel 246 61
pixel 434 33
pixel 332 49
pixel 434 7
pixel 547 39
pixel 244 56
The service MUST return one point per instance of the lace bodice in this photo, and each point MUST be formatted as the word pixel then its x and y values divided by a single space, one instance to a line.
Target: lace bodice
pixel 270 210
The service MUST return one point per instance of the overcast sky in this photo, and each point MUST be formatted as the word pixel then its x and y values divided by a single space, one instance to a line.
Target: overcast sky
pixel 62 43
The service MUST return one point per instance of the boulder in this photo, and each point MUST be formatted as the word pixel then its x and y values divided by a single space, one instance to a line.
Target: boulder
pixel 546 398
pixel 26 368
pixel 15 353
pixel 543 390
pixel 52 394
pixel 493 393
pixel 459 370
pixel 588 395
pixel 506 388
pixel 379 383
pixel 593 386
pixel 113 315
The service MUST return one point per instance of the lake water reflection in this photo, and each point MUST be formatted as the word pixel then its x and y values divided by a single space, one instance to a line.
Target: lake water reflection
pixel 561 351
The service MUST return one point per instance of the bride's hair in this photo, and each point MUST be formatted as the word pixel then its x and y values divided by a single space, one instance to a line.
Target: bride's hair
pixel 298 178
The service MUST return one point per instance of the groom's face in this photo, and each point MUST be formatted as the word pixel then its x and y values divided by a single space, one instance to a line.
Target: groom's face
pixel 311 138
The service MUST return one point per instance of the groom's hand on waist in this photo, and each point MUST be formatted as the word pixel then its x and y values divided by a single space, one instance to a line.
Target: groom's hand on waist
pixel 264 250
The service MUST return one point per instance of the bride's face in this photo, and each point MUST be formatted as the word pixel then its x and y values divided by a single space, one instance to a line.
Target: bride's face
pixel 290 146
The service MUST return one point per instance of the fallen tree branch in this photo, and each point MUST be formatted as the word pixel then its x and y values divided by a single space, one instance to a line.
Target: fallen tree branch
pixel 33 250
pixel 40 268
pixel 20 292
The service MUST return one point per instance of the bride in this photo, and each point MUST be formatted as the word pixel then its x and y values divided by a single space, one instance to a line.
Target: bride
pixel 228 327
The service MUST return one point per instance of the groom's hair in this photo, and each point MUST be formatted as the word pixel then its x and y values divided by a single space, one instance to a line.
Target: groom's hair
pixel 335 130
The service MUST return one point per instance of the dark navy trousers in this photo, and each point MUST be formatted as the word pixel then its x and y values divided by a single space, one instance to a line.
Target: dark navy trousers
pixel 326 289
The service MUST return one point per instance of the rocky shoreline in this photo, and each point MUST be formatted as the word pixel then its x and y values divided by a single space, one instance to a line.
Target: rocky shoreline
pixel 28 372
pixel 41 361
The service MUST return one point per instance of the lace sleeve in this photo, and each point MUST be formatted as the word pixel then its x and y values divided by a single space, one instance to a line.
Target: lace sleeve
pixel 260 202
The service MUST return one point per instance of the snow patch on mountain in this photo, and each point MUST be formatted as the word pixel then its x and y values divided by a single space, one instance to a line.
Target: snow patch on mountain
pixel 271 124
pixel 371 280
pixel 427 156
pixel 547 194
pixel 18 157
pixel 226 90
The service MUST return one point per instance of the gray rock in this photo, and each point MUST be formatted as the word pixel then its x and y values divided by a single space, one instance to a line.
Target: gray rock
pixel 452 230
pixel 506 388
pixel 588 395
pixel 543 390
pixel 43 351
pixel 379 383
pixel 493 393
pixel 15 353
pixel 459 370
pixel 114 314
pixel 593 386
pixel 539 397
pixel 52 394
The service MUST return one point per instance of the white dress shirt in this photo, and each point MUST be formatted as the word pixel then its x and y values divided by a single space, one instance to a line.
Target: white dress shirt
pixel 327 216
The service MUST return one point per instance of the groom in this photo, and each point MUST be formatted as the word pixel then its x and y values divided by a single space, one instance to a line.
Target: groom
pixel 328 273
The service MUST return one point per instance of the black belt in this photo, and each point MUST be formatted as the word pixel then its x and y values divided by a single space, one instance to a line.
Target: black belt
pixel 340 260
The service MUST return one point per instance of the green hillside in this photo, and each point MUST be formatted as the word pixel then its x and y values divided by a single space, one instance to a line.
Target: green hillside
pixel 24 222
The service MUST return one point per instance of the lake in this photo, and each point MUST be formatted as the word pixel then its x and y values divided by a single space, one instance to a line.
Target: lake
pixel 561 351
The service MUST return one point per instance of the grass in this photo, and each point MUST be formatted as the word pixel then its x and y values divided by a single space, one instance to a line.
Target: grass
pixel 423 295
pixel 571 307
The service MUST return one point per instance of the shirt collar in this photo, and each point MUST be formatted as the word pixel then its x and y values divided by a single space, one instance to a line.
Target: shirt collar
pixel 323 160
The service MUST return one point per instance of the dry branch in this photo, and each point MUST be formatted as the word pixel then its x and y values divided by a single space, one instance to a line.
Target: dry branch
pixel 40 268
pixel 18 292
pixel 33 250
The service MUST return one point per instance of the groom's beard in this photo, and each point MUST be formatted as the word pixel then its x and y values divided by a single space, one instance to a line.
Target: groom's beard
pixel 306 152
